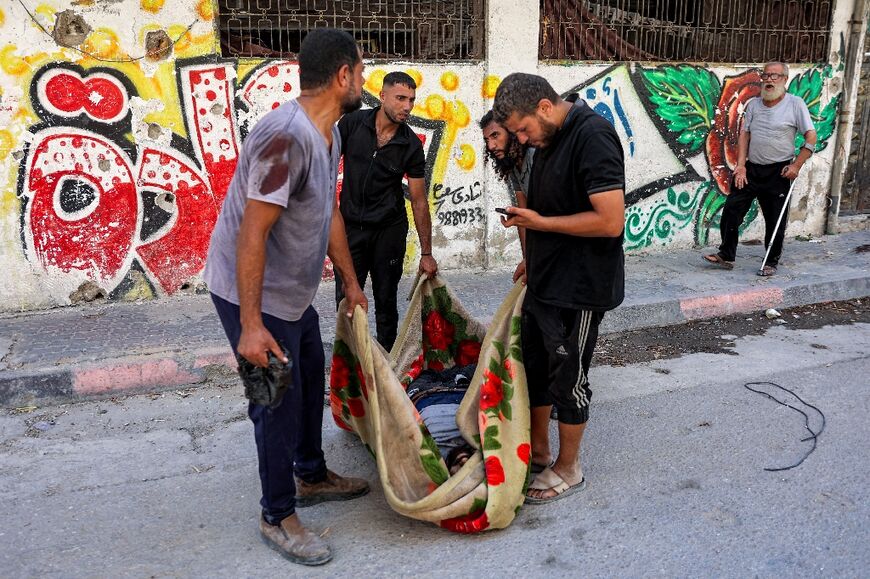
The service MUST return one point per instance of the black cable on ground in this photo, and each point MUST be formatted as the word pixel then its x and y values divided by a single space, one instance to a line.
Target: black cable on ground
pixel 814 436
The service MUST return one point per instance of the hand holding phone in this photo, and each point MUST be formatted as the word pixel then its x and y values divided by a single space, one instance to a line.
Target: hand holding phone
pixel 502 210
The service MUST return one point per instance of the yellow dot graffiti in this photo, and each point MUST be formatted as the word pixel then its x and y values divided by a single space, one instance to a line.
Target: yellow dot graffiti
pixel 416 75
pixel 205 9
pixel 466 158
pixel 6 144
pixel 152 6
pixel 460 114
pixel 435 106
pixel 102 43
pixel 490 85
pixel 11 63
pixel 375 81
pixel 450 81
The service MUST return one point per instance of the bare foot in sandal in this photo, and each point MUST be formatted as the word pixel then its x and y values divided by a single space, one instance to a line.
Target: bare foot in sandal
pixel 716 260
pixel 766 271
pixel 551 486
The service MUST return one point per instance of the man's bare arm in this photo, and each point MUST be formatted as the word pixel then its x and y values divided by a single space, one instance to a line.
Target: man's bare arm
pixel 740 180
pixel 255 340
pixel 607 218
pixel 423 223
pixel 791 171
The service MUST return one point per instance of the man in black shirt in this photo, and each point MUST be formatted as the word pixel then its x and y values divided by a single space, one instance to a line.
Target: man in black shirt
pixel 574 262
pixel 379 150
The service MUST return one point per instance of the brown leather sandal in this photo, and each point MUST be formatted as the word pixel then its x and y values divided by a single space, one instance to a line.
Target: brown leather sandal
pixel 716 260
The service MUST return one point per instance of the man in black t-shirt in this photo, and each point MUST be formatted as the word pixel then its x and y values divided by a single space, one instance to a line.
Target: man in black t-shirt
pixel 574 262
pixel 379 150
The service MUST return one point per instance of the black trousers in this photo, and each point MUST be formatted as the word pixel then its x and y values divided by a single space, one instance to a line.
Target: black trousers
pixel 288 437
pixel 379 251
pixel 558 344
pixel 771 189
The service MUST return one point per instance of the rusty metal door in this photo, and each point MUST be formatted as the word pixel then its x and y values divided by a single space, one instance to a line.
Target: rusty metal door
pixel 856 193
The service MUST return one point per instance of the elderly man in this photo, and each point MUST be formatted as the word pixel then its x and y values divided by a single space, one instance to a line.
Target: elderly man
pixel 380 149
pixel 766 165
pixel 575 265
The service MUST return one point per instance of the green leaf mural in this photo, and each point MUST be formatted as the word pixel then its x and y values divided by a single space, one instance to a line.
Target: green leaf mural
pixel 657 223
pixel 685 97
pixel 808 86
pixel 710 212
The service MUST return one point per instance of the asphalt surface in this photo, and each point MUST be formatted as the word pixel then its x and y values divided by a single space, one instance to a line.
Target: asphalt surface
pixel 109 349
pixel 165 485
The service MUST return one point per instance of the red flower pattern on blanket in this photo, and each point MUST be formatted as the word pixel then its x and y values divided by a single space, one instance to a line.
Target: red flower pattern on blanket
pixel 362 381
pixel 494 471
pixel 357 410
pixel 467 352
pixel 473 523
pixel 491 391
pixel 524 451
pixel 339 376
pixel 437 331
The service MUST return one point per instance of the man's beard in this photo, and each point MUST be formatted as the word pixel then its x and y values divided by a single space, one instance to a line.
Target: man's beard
pixel 549 130
pixel 772 94
pixel 390 116
pixel 351 101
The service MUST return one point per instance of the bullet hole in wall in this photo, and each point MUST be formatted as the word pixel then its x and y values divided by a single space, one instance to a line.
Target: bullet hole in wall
pixel 158 45
pixel 70 29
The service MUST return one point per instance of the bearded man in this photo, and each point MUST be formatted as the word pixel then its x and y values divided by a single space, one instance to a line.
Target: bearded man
pixel 766 165
pixel 512 162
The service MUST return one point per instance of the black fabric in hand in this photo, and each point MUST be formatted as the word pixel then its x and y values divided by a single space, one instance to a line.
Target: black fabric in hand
pixel 266 386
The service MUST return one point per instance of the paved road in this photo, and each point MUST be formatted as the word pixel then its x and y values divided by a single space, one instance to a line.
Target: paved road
pixel 166 485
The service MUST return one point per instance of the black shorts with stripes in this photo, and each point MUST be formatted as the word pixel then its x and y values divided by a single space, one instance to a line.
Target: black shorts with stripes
pixel 557 351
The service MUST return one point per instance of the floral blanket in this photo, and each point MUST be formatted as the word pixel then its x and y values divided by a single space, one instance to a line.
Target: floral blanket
pixel 367 396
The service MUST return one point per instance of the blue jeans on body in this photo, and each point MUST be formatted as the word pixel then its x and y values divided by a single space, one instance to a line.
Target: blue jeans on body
pixel 288 437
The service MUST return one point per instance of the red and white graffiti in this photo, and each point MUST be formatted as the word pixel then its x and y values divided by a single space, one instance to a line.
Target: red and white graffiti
pixel 85 212
pixel 99 95
pixel 96 203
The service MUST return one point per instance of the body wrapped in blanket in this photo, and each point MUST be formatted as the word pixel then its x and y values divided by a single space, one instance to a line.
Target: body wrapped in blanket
pixel 377 395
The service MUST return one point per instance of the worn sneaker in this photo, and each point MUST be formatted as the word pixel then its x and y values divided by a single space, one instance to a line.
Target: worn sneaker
pixel 333 488
pixel 305 547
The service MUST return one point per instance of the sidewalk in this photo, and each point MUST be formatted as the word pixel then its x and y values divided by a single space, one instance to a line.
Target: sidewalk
pixel 106 349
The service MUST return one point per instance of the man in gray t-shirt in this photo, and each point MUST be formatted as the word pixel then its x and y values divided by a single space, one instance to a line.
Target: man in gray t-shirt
pixel 766 165
pixel 278 222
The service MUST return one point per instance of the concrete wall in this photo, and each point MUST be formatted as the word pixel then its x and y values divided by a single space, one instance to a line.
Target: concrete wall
pixel 115 166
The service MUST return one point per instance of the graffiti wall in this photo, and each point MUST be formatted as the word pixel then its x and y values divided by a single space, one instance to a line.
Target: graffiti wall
pixel 117 157
pixel 679 126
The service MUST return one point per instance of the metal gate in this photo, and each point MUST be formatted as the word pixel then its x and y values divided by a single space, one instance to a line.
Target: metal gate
pixel 856 193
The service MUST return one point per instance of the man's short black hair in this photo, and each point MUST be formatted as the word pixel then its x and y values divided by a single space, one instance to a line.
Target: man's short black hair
pixel 520 93
pixel 398 77
pixel 324 51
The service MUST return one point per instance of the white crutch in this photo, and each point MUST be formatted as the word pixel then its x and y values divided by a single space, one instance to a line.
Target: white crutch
pixel 776 227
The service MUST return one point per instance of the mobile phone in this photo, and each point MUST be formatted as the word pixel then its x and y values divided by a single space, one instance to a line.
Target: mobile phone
pixel 502 210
